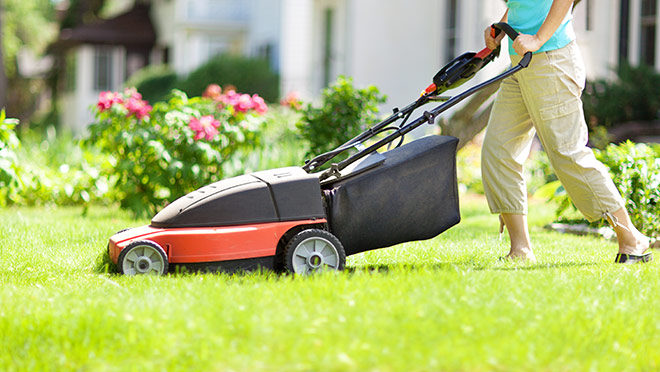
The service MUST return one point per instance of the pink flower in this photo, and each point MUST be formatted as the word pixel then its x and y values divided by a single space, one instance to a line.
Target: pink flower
pixel 132 93
pixel 107 99
pixel 230 98
pixel 292 100
pixel 244 103
pixel 137 106
pixel 213 91
pixel 206 126
pixel 259 104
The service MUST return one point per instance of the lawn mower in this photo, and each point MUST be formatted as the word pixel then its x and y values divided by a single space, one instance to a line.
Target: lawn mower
pixel 304 219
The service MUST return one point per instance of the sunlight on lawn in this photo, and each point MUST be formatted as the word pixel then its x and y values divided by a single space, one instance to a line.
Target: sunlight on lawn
pixel 443 304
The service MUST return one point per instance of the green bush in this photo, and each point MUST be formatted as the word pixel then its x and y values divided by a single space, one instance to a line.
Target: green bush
pixel 635 95
pixel 468 168
pixel 38 171
pixel 250 75
pixel 635 170
pixel 154 82
pixel 56 170
pixel 161 153
pixel 345 111
pixel 10 182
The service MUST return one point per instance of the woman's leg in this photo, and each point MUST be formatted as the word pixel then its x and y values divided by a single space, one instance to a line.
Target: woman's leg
pixel 631 241
pixel 521 246
pixel 506 146
pixel 554 90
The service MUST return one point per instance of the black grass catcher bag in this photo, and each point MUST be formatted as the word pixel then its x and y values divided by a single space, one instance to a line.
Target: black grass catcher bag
pixel 411 195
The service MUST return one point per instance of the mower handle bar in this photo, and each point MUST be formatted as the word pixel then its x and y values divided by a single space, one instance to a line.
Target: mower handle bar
pixel 429 116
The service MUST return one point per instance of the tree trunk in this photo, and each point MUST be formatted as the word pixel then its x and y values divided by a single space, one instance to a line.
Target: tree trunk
pixel 471 118
pixel 3 76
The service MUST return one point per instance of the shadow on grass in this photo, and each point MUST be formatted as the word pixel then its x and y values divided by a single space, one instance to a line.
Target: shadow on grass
pixel 451 266
pixel 104 265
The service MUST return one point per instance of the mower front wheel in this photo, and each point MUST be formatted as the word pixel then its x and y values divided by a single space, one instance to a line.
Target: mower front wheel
pixel 142 257
pixel 314 250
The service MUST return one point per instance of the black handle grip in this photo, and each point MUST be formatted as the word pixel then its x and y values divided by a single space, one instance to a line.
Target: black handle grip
pixel 503 26
pixel 513 34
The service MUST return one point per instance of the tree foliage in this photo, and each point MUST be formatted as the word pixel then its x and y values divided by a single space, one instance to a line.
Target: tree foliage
pixel 26 23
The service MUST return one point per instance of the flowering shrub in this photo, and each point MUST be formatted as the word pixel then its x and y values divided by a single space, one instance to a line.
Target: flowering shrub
pixel 205 127
pixel 162 152
pixel 239 102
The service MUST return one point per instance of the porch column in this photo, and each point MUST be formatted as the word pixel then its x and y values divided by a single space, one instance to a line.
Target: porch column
pixel 296 67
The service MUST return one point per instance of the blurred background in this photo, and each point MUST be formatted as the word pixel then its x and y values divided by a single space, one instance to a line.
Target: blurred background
pixel 58 55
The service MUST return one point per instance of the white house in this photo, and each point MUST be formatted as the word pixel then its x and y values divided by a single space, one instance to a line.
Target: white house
pixel 396 45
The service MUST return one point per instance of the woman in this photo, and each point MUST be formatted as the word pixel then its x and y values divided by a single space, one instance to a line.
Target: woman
pixel 544 99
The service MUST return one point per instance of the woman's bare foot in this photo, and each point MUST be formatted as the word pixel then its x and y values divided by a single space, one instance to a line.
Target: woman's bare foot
pixel 636 244
pixel 522 254
pixel 521 247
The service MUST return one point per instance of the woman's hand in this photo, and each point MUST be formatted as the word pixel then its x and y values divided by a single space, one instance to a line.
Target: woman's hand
pixel 527 43
pixel 492 42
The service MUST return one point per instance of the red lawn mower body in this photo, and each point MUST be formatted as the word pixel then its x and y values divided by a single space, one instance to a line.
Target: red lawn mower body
pixel 233 224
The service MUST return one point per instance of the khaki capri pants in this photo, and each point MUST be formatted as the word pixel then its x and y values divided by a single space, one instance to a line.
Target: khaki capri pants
pixel 545 99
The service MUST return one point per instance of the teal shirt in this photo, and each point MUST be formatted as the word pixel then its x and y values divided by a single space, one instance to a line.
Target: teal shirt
pixel 527 16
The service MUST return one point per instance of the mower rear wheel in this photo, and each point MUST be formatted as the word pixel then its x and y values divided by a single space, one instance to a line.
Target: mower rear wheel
pixel 142 257
pixel 314 250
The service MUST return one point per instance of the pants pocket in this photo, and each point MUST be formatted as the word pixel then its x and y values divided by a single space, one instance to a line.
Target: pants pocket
pixel 563 125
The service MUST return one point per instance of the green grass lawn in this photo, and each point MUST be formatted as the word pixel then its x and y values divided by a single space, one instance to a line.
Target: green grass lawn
pixel 438 305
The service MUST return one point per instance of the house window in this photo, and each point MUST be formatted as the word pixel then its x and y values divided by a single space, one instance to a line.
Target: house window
pixel 647 41
pixel 102 68
pixel 452 29
pixel 624 34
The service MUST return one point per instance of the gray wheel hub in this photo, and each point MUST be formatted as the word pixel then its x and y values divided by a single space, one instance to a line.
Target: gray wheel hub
pixel 143 265
pixel 313 254
pixel 143 259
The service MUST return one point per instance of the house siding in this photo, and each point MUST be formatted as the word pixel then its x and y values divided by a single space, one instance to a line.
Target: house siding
pixel 396 45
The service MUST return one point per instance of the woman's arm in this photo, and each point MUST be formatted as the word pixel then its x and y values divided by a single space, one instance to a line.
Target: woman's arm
pixel 531 43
